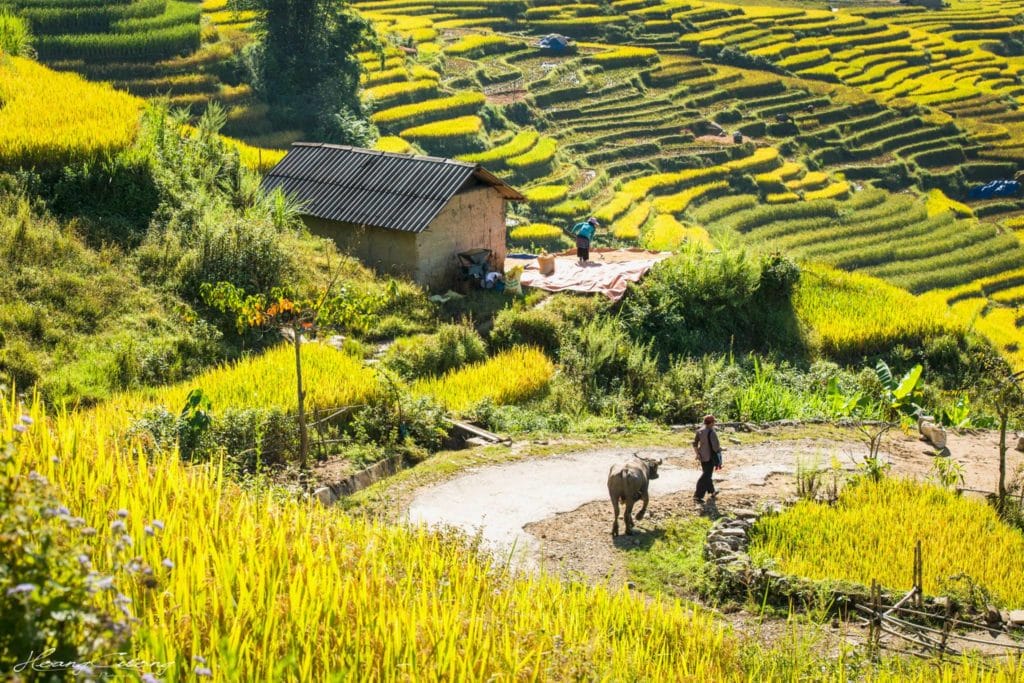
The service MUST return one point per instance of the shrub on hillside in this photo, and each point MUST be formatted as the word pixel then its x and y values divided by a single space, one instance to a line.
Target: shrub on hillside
pixel 699 302
pixel 529 327
pixel 612 372
pixel 426 355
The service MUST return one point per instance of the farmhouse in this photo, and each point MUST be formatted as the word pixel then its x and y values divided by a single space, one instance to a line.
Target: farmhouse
pixel 400 214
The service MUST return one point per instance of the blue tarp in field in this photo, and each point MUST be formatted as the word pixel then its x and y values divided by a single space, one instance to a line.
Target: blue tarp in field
pixel 996 188
pixel 554 43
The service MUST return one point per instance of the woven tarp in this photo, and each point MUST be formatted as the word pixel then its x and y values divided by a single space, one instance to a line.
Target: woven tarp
pixel 609 271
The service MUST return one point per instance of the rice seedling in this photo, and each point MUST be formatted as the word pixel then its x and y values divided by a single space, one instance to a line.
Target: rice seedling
pixel 625 56
pixel 872 530
pixel 153 44
pixel 512 376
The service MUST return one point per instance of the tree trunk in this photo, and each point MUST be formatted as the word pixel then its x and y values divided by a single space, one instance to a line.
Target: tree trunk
pixel 1001 505
pixel 303 436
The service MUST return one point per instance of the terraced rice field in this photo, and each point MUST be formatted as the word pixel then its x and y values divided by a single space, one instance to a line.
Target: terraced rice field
pixel 860 130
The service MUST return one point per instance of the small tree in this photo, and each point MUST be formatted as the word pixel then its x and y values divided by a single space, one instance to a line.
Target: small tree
pixel 1007 398
pixel 292 315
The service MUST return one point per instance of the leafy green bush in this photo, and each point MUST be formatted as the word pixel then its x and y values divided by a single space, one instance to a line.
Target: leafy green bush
pixel 612 372
pixel 423 355
pixel 686 389
pixel 399 422
pixel 529 327
pixel 699 302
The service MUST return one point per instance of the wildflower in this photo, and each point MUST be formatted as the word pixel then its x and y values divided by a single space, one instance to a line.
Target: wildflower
pixel 199 658
pixel 25 419
pixel 88 531
pixel 38 478
pixel 20 428
pixel 122 513
pixel 149 678
pixel 149 530
pixel 168 563
pixel 158 524
pixel 202 671
pixel 117 526
pixel 21 589
pixel 54 459
pixel 105 584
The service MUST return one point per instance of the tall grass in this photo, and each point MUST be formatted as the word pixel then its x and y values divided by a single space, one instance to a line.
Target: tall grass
pixel 264 588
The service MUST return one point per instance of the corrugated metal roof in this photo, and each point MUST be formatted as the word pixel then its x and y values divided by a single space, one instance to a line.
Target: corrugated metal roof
pixel 379 189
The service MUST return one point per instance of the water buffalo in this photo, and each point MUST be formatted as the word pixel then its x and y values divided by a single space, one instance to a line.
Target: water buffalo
pixel 627 482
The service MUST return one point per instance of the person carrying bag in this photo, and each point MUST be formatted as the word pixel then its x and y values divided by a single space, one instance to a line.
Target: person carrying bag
pixel 709 453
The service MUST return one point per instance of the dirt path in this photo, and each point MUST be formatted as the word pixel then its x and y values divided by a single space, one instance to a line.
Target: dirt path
pixel 553 511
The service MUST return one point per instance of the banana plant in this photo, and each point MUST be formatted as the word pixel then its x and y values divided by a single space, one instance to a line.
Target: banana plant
pixel 899 396
pixel 841 405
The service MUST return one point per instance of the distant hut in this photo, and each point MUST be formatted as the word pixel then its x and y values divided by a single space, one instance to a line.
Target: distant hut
pixel 400 214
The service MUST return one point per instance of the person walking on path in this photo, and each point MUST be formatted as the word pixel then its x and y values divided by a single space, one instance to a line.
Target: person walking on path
pixel 584 232
pixel 709 453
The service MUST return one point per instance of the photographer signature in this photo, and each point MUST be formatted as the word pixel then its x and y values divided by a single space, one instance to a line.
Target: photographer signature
pixel 42 662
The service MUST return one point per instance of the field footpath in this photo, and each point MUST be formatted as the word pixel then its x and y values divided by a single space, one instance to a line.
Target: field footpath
pixel 553 512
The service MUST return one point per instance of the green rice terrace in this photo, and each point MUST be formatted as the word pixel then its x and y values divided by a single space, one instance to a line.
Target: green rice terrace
pixel 232 450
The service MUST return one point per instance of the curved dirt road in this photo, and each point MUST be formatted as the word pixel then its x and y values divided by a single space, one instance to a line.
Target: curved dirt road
pixel 553 511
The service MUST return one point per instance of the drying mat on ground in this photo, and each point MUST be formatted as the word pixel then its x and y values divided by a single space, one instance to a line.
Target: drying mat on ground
pixel 608 272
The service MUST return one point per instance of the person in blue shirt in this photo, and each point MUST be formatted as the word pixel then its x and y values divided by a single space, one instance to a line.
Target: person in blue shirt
pixel 584 233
